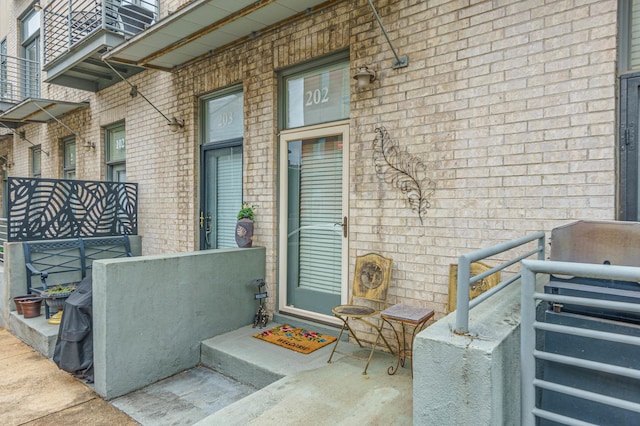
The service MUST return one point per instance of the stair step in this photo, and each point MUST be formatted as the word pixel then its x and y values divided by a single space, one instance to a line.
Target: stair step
pixel 257 363
pixel 35 332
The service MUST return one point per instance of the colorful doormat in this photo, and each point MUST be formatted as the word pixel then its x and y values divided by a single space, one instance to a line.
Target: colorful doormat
pixel 296 339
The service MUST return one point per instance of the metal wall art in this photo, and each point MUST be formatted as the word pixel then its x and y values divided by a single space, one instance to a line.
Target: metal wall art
pixel 40 209
pixel 404 171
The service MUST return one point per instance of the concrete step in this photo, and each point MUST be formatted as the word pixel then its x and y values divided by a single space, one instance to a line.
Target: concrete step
pixel 305 388
pixel 257 363
pixel 203 396
pixel 35 332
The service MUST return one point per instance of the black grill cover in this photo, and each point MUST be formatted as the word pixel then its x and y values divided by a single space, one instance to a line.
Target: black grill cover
pixel 74 347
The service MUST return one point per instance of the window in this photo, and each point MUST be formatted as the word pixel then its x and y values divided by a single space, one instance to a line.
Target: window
pixel 116 153
pixel 69 152
pixel 316 94
pixel 36 161
pixel 30 32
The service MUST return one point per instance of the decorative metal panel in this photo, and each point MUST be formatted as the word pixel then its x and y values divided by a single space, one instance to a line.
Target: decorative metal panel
pixel 42 209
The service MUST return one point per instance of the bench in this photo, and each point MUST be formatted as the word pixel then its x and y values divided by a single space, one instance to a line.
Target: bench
pixel 61 262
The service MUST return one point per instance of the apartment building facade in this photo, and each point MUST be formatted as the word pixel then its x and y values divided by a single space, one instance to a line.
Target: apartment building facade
pixel 420 130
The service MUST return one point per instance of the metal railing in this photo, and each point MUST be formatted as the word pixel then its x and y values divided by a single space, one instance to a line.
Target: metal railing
pixel 19 79
pixel 463 304
pixel 66 23
pixel 529 326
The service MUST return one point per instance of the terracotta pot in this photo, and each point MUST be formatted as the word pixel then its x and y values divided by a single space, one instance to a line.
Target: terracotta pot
pixel 31 308
pixel 244 233
pixel 17 301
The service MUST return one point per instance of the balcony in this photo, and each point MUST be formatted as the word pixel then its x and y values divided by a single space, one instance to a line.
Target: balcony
pixel 206 27
pixel 20 101
pixel 19 80
pixel 76 33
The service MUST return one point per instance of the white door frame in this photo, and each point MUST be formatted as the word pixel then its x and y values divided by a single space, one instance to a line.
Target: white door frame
pixel 337 128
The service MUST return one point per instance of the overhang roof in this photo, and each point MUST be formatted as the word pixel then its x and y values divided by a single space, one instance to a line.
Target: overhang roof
pixel 33 111
pixel 202 27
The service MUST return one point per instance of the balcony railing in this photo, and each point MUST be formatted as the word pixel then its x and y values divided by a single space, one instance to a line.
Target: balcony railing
pixel 19 79
pixel 68 22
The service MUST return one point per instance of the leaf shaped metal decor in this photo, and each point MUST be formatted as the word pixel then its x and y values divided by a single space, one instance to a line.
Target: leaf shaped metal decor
pixel 54 208
pixel 404 171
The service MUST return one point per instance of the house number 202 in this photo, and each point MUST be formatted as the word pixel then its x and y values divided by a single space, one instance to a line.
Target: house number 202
pixel 317 96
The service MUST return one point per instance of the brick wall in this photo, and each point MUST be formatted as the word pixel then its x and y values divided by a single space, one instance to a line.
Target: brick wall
pixel 511 105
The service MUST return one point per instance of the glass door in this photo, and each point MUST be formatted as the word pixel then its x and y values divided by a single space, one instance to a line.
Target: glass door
pixel 629 150
pixel 314 222
pixel 222 196
pixel 221 168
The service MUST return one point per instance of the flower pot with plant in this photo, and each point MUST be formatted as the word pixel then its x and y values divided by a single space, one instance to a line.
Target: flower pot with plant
pixel 55 297
pixel 244 226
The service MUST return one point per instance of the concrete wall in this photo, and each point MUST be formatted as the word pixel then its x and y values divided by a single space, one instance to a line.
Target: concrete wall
pixel 472 379
pixel 13 280
pixel 151 313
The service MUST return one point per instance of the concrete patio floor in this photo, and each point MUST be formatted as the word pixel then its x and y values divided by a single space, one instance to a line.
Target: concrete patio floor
pixel 310 391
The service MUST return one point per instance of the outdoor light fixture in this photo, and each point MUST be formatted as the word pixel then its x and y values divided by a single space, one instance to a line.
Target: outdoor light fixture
pixel 37 6
pixel 176 124
pixel 7 163
pixel 364 77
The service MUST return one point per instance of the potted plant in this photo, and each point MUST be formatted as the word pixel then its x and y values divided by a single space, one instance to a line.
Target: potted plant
pixel 55 297
pixel 244 226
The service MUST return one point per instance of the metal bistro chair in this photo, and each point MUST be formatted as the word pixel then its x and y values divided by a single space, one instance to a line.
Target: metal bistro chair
pixel 370 288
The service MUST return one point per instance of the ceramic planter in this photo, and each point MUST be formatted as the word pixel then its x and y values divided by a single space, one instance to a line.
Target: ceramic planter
pixel 31 308
pixel 17 301
pixel 244 233
pixel 56 302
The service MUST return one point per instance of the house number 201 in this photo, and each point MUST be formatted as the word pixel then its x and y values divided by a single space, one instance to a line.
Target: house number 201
pixel 317 96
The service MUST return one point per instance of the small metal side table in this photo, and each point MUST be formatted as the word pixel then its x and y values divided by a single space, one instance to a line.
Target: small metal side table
pixel 405 315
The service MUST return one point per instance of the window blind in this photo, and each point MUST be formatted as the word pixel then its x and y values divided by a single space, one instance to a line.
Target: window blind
pixel 228 196
pixel 320 210
pixel 634 53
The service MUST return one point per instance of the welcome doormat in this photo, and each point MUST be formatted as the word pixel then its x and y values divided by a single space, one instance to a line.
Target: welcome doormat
pixel 296 339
